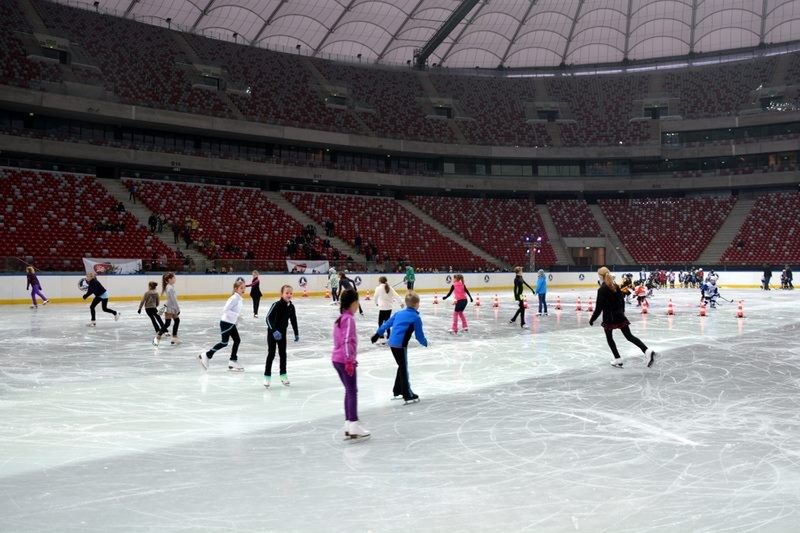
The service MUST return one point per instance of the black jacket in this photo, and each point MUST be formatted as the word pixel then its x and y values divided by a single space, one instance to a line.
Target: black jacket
pixel 518 283
pixel 347 284
pixel 95 288
pixel 279 316
pixel 611 304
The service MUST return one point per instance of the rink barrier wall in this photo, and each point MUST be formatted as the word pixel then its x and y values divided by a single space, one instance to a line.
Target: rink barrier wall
pixel 63 288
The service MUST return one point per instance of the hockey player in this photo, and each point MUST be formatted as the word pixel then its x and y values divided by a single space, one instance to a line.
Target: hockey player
pixel 627 287
pixel 709 293
pixel 641 293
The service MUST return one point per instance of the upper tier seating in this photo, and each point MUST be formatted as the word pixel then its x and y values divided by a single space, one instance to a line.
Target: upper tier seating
pixel 232 221
pixel 770 234
pixel 666 230
pixel 496 226
pixel 573 218
pixel 387 225
pixel 53 217
pixel 15 67
pixel 140 62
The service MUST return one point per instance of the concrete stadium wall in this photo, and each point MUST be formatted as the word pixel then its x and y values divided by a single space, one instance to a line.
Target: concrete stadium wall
pixel 64 288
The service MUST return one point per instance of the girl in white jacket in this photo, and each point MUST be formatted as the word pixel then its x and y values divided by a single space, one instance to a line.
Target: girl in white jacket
pixel 227 326
pixel 385 295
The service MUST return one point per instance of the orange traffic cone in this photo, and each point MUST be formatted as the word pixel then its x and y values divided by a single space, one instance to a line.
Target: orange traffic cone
pixel 327 293
pixel 435 299
pixel 702 311
pixel 558 303
pixel 478 301
pixel 590 307
pixel 525 301
pixel 305 292
pixel 740 310
pixel 496 302
pixel 670 308
pixel 578 304
pixel 645 306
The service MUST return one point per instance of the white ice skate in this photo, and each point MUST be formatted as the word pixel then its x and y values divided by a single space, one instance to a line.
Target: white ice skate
pixel 175 341
pixel 651 357
pixel 203 360
pixel 453 332
pixel 356 432
pixel 117 316
pixel 45 302
pixel 235 366
pixel 156 340
pixel 92 324
pixel 267 381
pixel 285 380
pixel 616 362
pixel 413 399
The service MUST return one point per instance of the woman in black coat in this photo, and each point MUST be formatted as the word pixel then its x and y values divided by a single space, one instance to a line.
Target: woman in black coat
pixel 611 302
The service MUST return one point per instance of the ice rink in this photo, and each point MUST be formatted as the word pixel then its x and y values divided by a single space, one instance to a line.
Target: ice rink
pixel 517 430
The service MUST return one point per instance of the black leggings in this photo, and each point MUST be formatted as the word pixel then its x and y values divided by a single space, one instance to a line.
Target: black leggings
pixel 175 326
pixel 152 312
pixel 256 301
pixel 228 331
pixel 626 331
pixel 335 293
pixel 105 307
pixel 383 316
pixel 272 345
pixel 520 312
pixel 402 385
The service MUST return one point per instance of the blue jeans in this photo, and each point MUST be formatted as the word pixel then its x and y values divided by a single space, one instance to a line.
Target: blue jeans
pixel 542 302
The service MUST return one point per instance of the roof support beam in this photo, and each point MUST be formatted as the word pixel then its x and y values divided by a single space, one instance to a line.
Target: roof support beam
pixel 516 33
pixel 628 30
pixel 444 30
pixel 693 27
pixel 267 22
pixel 333 28
pixel 202 15
pixel 130 8
pixel 571 32
pixel 399 30
pixel 764 11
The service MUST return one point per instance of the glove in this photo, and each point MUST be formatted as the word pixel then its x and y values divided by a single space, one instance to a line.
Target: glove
pixel 139 312
pixel 350 368
pixel 591 322
pixel 277 335
pixel 375 338
pixel 296 338
pixel 470 300
pixel 85 295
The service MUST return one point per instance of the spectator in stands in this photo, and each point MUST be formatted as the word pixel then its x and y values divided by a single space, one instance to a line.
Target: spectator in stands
pixel 176 232
pixel 151 222
pixel 132 193
pixel 187 237
pixel 160 221
pixel 120 207
pixel 358 241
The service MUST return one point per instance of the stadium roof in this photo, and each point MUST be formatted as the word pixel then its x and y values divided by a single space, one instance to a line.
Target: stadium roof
pixel 514 33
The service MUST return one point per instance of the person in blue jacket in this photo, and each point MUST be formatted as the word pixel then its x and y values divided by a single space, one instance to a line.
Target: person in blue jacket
pixel 541 291
pixel 403 324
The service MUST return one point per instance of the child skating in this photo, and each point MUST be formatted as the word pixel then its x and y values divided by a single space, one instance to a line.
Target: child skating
pixel 281 313
pixel 227 328
pixel 385 295
pixel 100 294
pixel 518 284
pixel 255 292
pixel 150 302
pixel 345 348
pixel 461 292
pixel 333 283
pixel 541 292
pixel 404 324
pixel 35 287
pixel 173 310
pixel 611 303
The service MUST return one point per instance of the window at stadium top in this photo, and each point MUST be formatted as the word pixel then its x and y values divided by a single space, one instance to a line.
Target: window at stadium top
pixel 511 33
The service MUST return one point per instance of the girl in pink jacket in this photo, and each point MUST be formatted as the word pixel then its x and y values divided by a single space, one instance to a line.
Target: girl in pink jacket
pixel 461 292
pixel 345 346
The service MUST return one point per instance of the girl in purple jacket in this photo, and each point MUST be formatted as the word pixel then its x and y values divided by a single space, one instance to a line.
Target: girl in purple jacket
pixel 345 346
pixel 35 287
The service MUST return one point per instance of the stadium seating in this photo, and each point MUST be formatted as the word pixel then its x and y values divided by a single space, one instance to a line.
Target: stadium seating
pixel 498 226
pixel 770 234
pixel 232 221
pixel 666 230
pixel 53 218
pixel 392 229
pixel 15 67
pixel 573 218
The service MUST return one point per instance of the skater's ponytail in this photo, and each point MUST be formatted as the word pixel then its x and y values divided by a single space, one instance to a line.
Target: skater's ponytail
pixel 385 282
pixel 608 279
pixel 346 299
pixel 165 281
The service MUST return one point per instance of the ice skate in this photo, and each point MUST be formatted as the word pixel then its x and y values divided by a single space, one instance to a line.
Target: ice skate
pixel 413 399
pixel 174 341
pixel 235 366
pixel 156 340
pixel 466 330
pixel 34 307
pixel 285 380
pixel 203 360
pixel 267 381
pixel 616 362
pixel 92 324
pixel 651 357
pixel 45 302
pixel 117 316
pixel 355 431
pixel 255 316
pixel 453 332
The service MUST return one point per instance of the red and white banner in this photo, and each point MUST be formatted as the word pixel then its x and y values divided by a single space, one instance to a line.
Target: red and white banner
pixel 307 267
pixel 102 266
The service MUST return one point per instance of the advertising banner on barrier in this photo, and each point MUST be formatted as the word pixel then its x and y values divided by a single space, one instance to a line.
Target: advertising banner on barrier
pixel 307 267
pixel 112 266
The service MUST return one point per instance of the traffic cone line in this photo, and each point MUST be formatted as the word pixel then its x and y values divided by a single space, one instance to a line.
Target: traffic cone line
pixel 478 301
pixel 702 310
pixel 558 303
pixel 590 307
pixel 578 304
pixel 740 309
pixel 670 308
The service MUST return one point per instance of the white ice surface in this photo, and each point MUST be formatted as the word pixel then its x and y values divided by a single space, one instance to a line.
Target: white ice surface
pixel 517 430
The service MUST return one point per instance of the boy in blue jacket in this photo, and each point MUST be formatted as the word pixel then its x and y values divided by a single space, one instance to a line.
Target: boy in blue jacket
pixel 403 324
pixel 541 291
